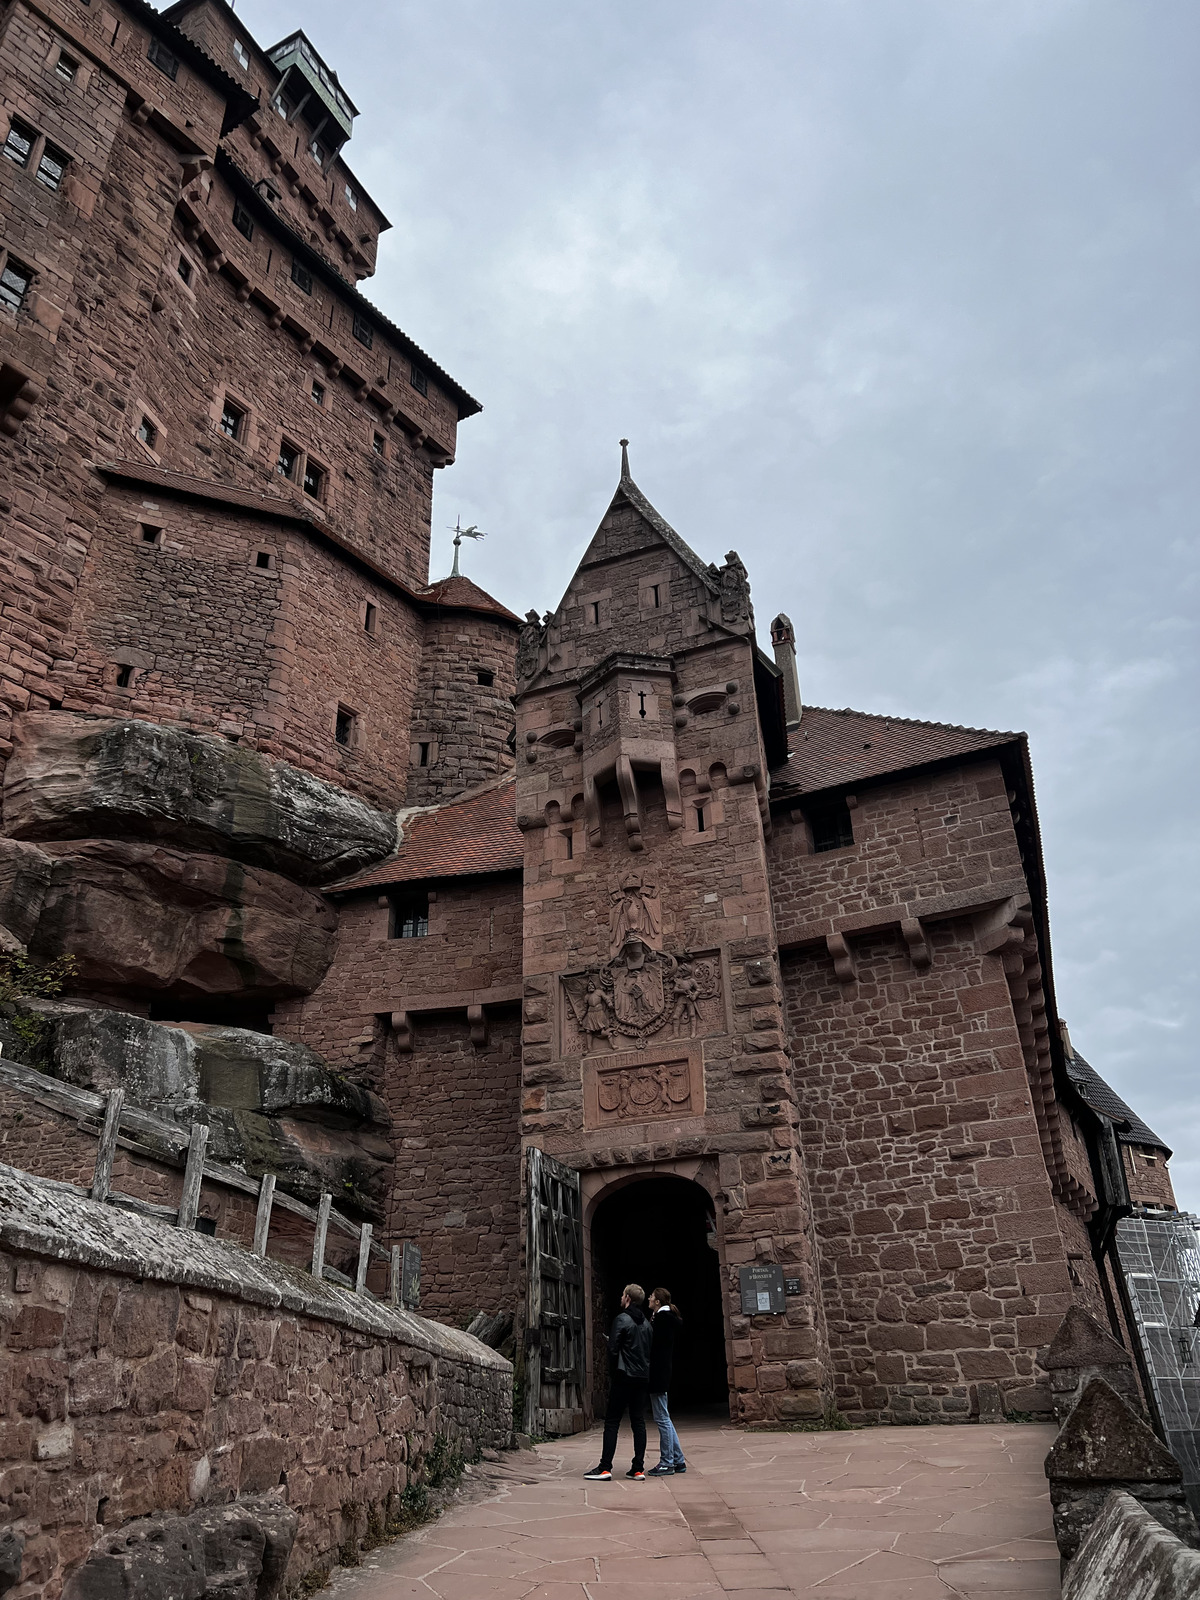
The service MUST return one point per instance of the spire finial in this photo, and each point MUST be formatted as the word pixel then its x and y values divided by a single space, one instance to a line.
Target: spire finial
pixel 460 533
pixel 624 459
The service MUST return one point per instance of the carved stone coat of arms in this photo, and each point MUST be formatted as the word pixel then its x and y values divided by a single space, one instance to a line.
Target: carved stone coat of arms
pixel 639 993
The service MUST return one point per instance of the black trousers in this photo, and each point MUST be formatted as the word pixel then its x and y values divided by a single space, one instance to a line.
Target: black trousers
pixel 625 1394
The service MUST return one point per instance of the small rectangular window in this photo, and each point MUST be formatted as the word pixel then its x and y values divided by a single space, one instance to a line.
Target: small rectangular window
pixel 241 55
pixel 595 610
pixel 18 146
pixel 423 755
pixel 351 198
pixel 569 840
pixel 66 67
pixel 301 276
pixel 162 58
pixel 830 826
pixel 409 916
pixel 485 677
pixel 701 819
pixel 14 284
pixel 124 677
pixel 654 599
pixel 242 220
pixel 52 166
pixel 232 420
pixel 268 191
pixel 418 379
pixel 314 480
pixel 287 460
pixel 150 533
pixel 363 330
pixel 317 153
pixel 262 560
pixel 318 392
pixel 370 618
pixel 282 108
pixel 345 725
pixel 185 269
pixel 147 433
pixel 377 443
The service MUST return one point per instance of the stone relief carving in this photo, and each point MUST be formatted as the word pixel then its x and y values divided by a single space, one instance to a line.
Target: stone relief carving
pixel 529 646
pixel 735 589
pixel 632 1094
pixel 640 992
pixel 635 913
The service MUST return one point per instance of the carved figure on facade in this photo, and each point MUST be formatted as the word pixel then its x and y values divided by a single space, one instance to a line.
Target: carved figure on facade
pixel 631 1094
pixel 640 992
pixel 529 645
pixel 635 913
pixel 735 589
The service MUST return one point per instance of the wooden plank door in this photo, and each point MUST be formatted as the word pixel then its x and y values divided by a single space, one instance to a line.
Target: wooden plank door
pixel 555 1363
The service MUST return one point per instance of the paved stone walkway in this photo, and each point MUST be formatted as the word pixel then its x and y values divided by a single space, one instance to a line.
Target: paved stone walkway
pixel 878 1514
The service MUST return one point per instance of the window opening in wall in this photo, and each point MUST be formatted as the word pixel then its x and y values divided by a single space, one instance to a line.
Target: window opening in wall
pixel 595 610
pixel 485 677
pixel 317 153
pixel 115 32
pixel 162 58
pixel 285 464
pixel 147 433
pixel 242 220
pixel 14 284
pixel 419 380
pixel 701 819
pixel 830 826
pixel 262 560
pixel 377 443
pixel 314 480
pixel 124 677
pixel 52 167
pixel 642 704
pixel 654 600
pixel 271 195
pixel 232 420
pixel 408 916
pixel 569 837
pixel 423 755
pixel 18 145
pixel 344 726
pixel 150 533
pixel 370 616
pixel 282 108
pixel 185 269
pixel 363 330
pixel 351 198
pixel 318 392
pixel 65 67
pixel 301 276
pixel 241 54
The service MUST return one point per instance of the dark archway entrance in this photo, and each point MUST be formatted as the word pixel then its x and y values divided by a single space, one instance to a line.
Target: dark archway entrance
pixel 659 1232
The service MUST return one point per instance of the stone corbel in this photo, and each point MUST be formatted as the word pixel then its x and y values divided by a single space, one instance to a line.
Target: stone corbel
pixel 670 783
pixel 478 1023
pixel 1004 927
pixel 18 392
pixel 402 1030
pixel 918 944
pixel 627 784
pixel 843 958
pixel 591 811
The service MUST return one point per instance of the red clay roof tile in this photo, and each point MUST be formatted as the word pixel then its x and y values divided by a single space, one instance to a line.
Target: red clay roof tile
pixel 475 834
pixel 460 592
pixel 836 747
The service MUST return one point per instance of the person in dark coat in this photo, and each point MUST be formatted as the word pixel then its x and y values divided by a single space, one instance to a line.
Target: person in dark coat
pixel 629 1373
pixel 666 1323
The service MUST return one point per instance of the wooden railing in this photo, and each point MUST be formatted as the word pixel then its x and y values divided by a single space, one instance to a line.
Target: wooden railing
pixel 119 1126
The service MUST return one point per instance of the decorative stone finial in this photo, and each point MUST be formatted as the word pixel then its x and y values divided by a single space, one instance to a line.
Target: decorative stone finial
pixel 624 459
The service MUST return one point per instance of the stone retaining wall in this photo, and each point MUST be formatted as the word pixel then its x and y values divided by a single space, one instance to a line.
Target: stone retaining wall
pixel 1128 1555
pixel 146 1369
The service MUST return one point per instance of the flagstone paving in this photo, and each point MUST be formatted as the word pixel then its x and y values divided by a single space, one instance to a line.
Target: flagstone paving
pixel 877 1514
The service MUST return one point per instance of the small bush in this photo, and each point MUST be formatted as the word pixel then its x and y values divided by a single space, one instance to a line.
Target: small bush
pixel 22 979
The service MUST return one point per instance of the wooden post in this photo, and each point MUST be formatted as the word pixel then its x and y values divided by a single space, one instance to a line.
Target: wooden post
pixel 193 1177
pixel 318 1260
pixel 102 1177
pixel 394 1277
pixel 364 1257
pixel 262 1221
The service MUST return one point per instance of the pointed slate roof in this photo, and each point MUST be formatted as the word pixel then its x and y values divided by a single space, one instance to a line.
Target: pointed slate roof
pixel 628 493
pixel 836 747
pixel 1092 1088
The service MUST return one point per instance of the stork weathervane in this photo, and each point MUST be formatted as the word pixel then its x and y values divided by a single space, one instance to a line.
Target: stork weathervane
pixel 461 533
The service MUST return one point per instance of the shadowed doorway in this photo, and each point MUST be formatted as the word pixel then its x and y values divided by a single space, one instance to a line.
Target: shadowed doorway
pixel 657 1232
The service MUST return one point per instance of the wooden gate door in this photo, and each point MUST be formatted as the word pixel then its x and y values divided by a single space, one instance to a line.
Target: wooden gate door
pixel 554 1336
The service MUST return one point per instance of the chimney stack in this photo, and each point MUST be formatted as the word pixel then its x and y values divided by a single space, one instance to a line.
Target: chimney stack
pixel 783 641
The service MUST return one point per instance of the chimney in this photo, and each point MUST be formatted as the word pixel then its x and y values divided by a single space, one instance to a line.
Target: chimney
pixel 783 641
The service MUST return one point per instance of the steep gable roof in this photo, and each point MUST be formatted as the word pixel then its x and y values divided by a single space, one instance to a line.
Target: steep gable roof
pixel 1092 1088
pixel 603 546
pixel 473 834
pixel 838 747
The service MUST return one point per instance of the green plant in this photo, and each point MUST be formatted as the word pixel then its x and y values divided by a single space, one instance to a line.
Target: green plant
pixel 22 979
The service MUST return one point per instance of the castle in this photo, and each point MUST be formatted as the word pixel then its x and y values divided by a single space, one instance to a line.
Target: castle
pixel 573 949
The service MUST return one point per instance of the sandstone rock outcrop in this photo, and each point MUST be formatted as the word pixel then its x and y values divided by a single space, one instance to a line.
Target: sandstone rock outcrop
pixel 77 777
pixel 149 918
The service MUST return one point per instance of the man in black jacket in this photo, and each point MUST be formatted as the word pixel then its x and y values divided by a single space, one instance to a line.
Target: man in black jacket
pixel 629 1373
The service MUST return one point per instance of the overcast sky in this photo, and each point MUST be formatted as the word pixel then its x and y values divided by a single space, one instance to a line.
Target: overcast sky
pixel 898 299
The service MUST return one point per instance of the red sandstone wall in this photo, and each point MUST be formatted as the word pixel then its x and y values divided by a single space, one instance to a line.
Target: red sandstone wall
pixel 1148 1177
pixel 465 725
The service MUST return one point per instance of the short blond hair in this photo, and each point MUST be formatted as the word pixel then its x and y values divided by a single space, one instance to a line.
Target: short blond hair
pixel 636 1294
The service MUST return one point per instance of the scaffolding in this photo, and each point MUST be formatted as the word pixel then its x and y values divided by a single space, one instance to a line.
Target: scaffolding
pixel 1160 1262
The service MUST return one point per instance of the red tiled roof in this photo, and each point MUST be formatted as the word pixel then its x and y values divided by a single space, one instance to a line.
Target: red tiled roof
pixel 462 594
pixel 476 834
pixel 835 747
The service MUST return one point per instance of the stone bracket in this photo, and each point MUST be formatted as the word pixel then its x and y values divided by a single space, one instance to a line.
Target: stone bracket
pixel 843 958
pixel 918 944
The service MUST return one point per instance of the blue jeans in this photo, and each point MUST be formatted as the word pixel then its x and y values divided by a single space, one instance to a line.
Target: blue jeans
pixel 670 1451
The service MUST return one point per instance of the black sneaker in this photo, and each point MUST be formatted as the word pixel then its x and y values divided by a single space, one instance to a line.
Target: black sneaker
pixel 634 1472
pixel 661 1471
pixel 599 1474
pixel 680 1466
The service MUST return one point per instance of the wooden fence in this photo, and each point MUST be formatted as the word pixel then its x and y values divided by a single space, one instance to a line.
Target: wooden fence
pixel 120 1124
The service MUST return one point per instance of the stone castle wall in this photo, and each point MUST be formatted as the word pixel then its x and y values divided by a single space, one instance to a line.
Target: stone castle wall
pixel 151 1370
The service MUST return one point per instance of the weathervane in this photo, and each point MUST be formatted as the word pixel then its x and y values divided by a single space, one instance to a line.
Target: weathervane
pixel 461 533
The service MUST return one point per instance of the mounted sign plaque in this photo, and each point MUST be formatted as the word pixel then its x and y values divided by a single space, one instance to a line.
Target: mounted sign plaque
pixel 762 1289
